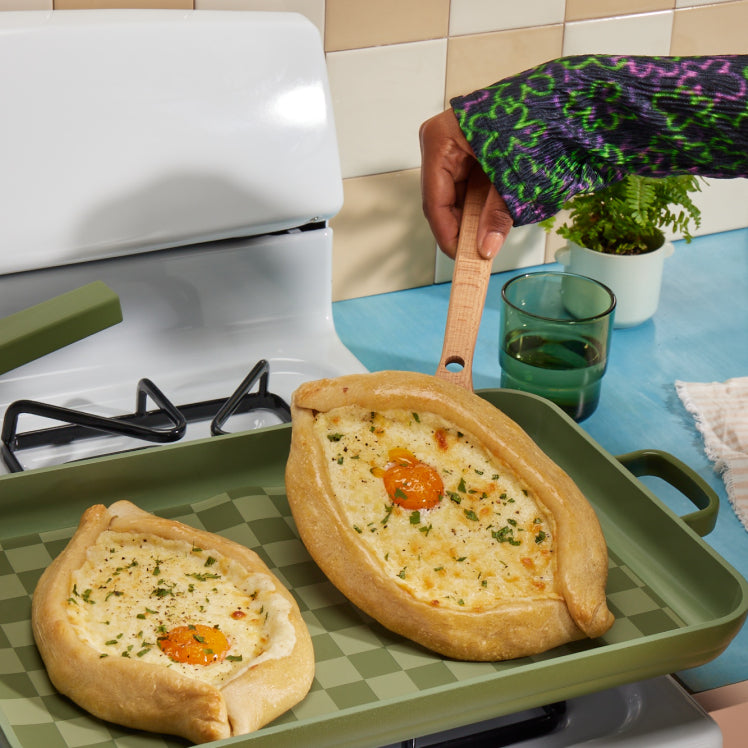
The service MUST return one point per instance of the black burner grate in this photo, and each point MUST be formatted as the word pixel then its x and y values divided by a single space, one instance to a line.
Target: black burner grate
pixel 166 423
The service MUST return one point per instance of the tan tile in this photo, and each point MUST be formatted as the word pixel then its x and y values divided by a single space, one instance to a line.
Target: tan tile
pixel 577 10
pixel 481 16
pixel 350 24
pixel 640 34
pixel 381 240
pixel 314 10
pixel 711 30
pixel 481 59
pixel 89 4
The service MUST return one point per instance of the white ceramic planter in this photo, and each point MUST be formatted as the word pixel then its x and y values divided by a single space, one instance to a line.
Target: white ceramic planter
pixel 634 279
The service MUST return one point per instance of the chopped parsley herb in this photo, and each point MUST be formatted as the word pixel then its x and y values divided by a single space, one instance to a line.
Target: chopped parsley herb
pixel 387 512
pixel 210 561
pixel 402 573
pixel 334 437
pixel 425 529
pixel 470 514
pixel 400 494
pixel 202 577
pixel 540 537
pixel 234 658
pixel 357 529
pixel 455 497
pixel 416 418
pixel 505 535
pixel 461 486
pixel 415 517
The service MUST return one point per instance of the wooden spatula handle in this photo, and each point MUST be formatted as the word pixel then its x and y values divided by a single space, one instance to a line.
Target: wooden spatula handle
pixel 468 295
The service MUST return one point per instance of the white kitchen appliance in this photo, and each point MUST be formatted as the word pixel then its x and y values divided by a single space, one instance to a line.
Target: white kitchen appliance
pixel 188 161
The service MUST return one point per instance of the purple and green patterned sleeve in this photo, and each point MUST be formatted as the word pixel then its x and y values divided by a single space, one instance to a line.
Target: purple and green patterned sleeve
pixel 577 124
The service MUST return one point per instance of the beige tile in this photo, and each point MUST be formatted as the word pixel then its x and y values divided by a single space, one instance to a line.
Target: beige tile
pixel 643 34
pixel 381 95
pixel 351 24
pixel 314 10
pixel 481 59
pixel 713 29
pixel 381 240
pixel 480 16
pixel 87 4
pixel 577 10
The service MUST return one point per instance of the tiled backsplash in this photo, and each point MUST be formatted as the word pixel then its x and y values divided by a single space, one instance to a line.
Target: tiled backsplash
pixel 394 63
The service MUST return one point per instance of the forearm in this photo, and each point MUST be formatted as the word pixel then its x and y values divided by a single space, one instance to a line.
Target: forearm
pixel 579 123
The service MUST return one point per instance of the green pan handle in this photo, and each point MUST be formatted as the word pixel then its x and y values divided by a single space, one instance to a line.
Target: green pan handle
pixel 681 477
pixel 57 322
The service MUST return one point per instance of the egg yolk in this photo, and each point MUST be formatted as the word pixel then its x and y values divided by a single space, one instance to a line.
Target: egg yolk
pixel 195 644
pixel 410 483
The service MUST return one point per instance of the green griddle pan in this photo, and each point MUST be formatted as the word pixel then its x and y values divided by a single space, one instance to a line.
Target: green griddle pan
pixel 677 603
pixel 52 324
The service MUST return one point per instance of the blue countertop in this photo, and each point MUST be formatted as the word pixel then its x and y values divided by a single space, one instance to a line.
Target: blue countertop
pixel 699 334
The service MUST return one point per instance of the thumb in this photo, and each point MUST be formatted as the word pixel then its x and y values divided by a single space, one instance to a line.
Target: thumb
pixel 494 224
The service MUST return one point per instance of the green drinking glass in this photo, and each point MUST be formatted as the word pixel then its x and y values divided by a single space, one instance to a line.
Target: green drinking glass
pixel 555 337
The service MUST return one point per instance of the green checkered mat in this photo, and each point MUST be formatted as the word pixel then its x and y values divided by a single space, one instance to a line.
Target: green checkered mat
pixel 358 662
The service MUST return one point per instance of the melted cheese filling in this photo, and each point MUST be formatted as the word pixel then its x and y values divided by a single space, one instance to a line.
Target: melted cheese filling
pixel 486 541
pixel 134 588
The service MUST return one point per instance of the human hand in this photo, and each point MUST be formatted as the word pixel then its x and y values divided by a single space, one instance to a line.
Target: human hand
pixel 446 162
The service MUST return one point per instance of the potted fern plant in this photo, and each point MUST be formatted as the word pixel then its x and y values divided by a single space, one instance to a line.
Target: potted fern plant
pixel 617 236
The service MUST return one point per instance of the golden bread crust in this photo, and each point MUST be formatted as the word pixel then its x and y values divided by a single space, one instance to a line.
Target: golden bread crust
pixel 511 629
pixel 149 696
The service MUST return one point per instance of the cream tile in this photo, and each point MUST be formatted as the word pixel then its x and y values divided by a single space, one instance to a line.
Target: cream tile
pixel 381 95
pixel 576 10
pixel 644 34
pixel 381 240
pixel 351 24
pixel 525 246
pixel 723 204
pixel 26 5
pixel 713 29
pixel 479 16
pixel 314 10
pixel 479 60
pixel 692 3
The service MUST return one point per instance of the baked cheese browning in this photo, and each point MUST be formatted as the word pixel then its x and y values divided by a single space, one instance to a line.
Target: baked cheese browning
pixel 163 601
pixel 484 540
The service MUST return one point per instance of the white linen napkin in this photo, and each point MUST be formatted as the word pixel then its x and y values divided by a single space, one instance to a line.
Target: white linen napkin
pixel 721 413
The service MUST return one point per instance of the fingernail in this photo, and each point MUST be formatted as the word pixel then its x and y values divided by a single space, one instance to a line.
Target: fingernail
pixel 492 244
